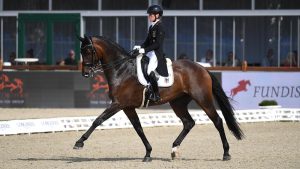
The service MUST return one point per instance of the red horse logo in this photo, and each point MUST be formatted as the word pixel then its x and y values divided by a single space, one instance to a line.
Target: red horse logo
pixel 16 86
pixel 98 85
pixel 241 87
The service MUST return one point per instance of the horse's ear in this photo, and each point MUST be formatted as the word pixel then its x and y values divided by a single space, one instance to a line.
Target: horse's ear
pixel 89 38
pixel 80 38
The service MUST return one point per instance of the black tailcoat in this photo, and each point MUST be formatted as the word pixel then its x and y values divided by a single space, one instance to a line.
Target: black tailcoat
pixel 154 41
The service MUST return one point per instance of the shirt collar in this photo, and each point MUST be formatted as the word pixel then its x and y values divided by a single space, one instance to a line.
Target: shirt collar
pixel 153 23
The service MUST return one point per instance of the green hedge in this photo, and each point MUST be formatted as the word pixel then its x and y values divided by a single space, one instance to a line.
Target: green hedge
pixel 268 103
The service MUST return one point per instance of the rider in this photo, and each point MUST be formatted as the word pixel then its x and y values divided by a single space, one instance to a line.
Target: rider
pixel 152 50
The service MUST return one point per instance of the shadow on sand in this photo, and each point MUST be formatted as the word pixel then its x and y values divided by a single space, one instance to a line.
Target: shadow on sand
pixel 81 159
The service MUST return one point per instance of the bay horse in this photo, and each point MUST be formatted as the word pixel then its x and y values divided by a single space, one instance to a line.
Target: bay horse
pixel 192 82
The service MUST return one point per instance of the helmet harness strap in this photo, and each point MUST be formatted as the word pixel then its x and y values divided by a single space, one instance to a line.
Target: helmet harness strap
pixel 156 17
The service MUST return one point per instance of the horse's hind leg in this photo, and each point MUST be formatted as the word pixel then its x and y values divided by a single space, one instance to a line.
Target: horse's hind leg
pixel 179 106
pixel 134 119
pixel 218 122
pixel 205 101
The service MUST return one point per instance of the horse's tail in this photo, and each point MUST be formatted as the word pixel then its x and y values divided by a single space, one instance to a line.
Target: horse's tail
pixel 226 108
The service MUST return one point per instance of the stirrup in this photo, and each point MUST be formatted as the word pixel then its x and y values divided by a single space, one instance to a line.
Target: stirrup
pixel 152 96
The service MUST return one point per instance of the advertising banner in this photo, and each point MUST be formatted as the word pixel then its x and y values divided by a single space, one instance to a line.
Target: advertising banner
pixel 12 91
pixel 46 89
pixel 57 89
pixel 248 89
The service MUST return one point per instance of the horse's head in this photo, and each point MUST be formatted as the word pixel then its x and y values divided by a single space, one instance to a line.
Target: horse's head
pixel 89 56
pixel 100 54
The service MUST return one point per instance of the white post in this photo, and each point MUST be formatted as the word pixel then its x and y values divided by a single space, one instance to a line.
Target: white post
pixel 221 42
pixel 1 40
pixel 132 31
pixel 17 37
pixel 82 30
pixel 195 39
pixel 214 42
pixel 1 5
pixel 50 5
pixel 101 29
pixel 175 38
pixel 278 43
pixel 244 38
pixel 291 41
pixel 233 42
pixel 99 5
pixel 117 29
pixel 201 5
pixel 252 4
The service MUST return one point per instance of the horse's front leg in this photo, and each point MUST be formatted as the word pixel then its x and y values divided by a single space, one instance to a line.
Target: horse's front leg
pixel 112 110
pixel 134 119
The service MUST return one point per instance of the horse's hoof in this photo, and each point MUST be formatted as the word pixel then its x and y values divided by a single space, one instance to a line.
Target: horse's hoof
pixel 147 159
pixel 226 157
pixel 78 145
pixel 175 156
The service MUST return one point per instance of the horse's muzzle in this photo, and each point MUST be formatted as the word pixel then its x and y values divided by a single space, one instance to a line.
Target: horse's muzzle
pixel 88 74
pixel 87 71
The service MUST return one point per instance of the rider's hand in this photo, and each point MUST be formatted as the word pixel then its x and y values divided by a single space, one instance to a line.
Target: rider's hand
pixel 136 47
pixel 142 50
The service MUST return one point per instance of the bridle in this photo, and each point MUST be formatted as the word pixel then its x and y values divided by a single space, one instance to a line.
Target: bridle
pixel 90 45
pixel 98 66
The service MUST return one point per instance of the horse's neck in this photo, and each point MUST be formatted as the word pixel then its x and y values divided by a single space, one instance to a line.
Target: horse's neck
pixel 120 71
pixel 119 67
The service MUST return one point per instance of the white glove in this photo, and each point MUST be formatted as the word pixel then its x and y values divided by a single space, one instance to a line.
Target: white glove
pixel 136 47
pixel 142 50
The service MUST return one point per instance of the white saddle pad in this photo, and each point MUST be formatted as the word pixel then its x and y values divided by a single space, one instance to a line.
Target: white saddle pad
pixel 162 81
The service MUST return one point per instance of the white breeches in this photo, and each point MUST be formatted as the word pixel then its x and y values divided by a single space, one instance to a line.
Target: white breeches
pixel 152 61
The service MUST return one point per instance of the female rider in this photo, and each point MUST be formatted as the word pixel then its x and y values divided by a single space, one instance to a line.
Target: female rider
pixel 152 50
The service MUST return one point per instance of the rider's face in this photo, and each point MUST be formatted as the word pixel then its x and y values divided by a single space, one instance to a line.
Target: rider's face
pixel 152 17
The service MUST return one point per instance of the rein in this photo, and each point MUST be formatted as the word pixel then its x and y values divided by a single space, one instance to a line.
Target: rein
pixel 99 67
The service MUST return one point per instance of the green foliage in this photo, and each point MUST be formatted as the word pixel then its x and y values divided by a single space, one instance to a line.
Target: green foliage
pixel 268 103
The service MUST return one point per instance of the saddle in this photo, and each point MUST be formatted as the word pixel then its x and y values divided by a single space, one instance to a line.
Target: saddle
pixel 162 81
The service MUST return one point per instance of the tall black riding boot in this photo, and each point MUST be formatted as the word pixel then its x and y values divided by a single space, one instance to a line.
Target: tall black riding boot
pixel 144 64
pixel 155 93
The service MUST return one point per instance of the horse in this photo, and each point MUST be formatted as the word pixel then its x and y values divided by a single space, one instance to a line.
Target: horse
pixel 241 87
pixel 192 82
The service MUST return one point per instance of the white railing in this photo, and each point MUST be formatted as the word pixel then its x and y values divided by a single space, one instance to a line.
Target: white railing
pixel 120 120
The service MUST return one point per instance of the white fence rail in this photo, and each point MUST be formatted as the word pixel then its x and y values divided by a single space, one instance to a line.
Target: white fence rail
pixel 147 120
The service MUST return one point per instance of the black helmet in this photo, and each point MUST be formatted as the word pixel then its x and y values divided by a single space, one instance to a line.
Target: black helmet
pixel 155 9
